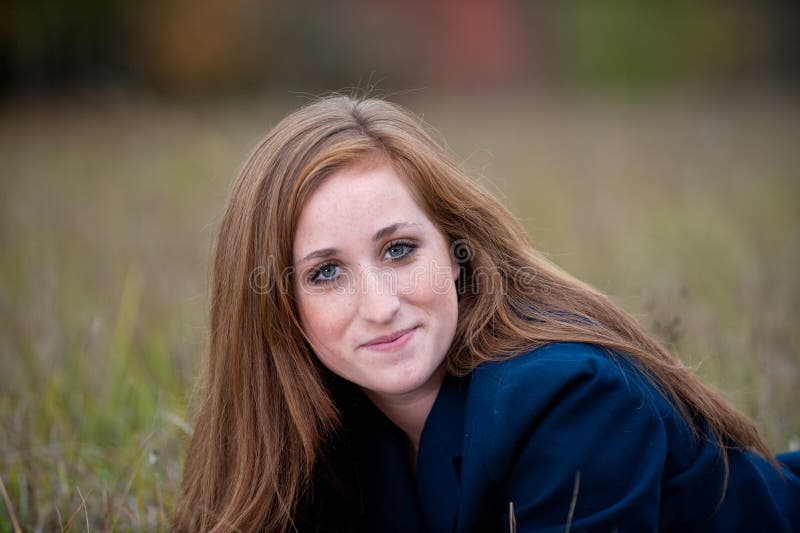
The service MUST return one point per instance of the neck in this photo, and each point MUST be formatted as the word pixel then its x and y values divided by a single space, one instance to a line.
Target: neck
pixel 410 411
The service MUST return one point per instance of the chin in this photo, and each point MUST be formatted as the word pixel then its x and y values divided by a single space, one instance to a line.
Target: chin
pixel 395 387
pixel 407 383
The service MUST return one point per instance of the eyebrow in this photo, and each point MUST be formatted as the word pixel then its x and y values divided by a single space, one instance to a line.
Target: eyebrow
pixel 380 234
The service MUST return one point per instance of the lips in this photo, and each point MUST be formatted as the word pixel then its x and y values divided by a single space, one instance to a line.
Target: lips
pixel 388 339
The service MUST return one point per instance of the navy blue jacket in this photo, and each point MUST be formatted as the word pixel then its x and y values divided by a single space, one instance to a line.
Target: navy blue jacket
pixel 569 436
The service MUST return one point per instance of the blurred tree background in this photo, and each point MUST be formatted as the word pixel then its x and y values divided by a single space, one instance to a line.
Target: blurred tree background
pixel 213 46
pixel 650 148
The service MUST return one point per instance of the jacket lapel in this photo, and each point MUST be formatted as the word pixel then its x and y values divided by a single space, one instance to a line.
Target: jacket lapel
pixel 440 455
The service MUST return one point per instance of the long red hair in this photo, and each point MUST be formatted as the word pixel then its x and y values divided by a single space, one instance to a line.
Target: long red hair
pixel 264 411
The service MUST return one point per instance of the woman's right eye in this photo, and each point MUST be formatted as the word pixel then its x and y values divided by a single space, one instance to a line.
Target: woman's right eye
pixel 324 274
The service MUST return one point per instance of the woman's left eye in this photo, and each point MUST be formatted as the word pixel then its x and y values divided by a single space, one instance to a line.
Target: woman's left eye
pixel 398 250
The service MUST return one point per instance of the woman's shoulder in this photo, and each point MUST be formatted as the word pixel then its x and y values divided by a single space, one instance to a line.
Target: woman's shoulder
pixel 550 368
pixel 562 416
pixel 566 356
pixel 570 395
pixel 577 417
pixel 563 394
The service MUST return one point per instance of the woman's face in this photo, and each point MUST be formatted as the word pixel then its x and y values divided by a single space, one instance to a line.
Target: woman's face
pixel 375 282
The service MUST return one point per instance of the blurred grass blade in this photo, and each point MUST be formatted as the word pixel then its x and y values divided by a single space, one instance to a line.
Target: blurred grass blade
pixel 10 508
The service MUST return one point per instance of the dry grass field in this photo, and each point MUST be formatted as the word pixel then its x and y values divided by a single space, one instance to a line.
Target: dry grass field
pixel 683 208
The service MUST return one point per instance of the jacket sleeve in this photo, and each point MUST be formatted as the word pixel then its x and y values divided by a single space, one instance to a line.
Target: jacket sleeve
pixel 576 443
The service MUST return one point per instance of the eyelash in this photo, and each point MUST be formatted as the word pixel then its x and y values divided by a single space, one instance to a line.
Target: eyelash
pixel 316 280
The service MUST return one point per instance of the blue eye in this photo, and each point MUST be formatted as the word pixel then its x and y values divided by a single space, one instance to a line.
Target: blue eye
pixel 329 272
pixel 399 249
pixel 324 274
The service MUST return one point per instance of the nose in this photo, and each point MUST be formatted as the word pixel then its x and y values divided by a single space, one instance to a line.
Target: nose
pixel 379 299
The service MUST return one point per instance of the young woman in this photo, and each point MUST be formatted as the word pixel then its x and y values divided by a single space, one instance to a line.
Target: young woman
pixel 388 352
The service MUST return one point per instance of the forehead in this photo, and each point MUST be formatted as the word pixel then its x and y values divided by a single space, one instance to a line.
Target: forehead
pixel 351 204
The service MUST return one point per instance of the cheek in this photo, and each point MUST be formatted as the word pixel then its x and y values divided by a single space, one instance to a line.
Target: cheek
pixel 432 287
pixel 323 318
